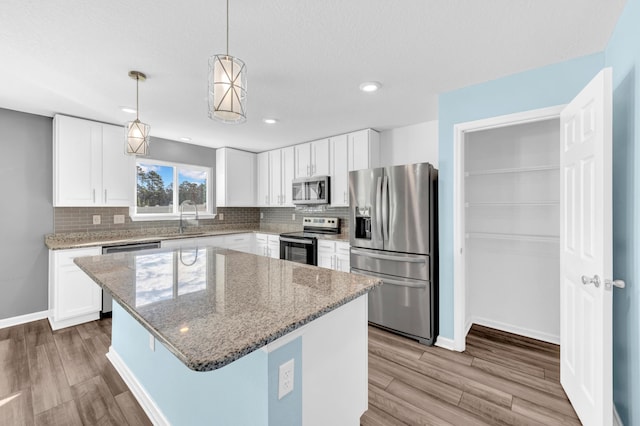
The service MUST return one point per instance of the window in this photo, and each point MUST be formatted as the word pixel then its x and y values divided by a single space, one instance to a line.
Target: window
pixel 162 187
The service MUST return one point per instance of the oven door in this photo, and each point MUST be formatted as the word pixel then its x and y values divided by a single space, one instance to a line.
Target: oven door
pixel 301 250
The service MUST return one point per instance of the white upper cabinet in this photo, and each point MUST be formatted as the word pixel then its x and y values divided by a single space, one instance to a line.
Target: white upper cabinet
pixel 339 171
pixel 364 149
pixel 262 179
pixel 90 167
pixel 235 178
pixel 275 173
pixel 312 159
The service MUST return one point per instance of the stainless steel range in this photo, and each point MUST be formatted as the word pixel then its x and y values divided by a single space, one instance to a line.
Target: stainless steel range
pixel 302 247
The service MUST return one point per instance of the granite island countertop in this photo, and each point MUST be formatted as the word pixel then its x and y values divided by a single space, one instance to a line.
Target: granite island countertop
pixel 211 306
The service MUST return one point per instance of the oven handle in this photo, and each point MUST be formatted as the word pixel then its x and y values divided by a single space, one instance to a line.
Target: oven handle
pixel 291 240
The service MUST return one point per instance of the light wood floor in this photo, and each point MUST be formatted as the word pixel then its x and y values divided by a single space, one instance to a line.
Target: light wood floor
pixel 62 378
pixel 501 379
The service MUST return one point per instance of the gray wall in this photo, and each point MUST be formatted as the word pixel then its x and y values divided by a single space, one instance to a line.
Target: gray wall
pixel 27 213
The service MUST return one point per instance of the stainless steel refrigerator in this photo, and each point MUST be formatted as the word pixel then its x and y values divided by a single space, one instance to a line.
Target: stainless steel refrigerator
pixel 393 235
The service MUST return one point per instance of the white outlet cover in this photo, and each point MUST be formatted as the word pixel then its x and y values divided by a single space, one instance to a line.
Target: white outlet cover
pixel 261 215
pixel 221 216
pixel 118 218
pixel 293 216
pixel 96 219
pixel 285 378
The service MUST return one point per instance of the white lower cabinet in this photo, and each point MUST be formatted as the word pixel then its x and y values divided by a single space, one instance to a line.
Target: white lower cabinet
pixel 267 245
pixel 74 298
pixel 240 242
pixel 334 255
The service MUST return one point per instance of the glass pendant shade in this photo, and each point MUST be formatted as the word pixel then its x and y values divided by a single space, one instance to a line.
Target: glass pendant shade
pixel 137 135
pixel 227 89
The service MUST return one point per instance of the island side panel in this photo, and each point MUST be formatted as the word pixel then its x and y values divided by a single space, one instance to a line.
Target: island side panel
pixel 235 394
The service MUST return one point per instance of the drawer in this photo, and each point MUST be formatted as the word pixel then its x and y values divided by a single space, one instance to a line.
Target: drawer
pixel 65 257
pixel 342 248
pixel 237 239
pixel 273 239
pixel 262 238
pixel 326 245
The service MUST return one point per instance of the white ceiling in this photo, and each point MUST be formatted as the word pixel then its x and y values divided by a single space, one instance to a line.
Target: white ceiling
pixel 305 58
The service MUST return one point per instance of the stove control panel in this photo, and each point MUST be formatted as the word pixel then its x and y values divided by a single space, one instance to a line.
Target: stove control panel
pixel 321 222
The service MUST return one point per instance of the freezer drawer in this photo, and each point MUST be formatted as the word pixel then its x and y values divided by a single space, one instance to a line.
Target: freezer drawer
pixel 414 266
pixel 402 305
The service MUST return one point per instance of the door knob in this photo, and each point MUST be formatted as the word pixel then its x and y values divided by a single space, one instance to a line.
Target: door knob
pixel 595 280
pixel 614 283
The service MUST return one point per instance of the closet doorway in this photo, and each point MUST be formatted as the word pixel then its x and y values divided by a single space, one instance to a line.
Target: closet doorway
pixel 507 225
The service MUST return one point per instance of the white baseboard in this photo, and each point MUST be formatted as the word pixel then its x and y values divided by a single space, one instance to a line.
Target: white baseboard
pixel 70 322
pixel 534 334
pixel 23 319
pixel 445 343
pixel 616 417
pixel 144 399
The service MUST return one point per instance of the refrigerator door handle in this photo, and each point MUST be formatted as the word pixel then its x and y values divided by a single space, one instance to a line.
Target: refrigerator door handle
pixel 379 204
pixel 387 257
pixel 386 280
pixel 385 208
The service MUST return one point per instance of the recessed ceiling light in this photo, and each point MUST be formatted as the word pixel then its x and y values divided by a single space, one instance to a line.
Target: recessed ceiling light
pixel 270 120
pixel 128 110
pixel 370 86
pixel 185 139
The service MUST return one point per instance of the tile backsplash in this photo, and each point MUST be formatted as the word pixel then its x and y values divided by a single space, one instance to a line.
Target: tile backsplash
pixel 80 219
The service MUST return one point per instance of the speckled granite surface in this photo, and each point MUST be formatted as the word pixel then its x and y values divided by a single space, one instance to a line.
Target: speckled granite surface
pixel 96 239
pixel 211 306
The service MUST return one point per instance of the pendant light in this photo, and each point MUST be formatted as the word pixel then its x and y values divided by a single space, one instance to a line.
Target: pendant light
pixel 137 132
pixel 227 86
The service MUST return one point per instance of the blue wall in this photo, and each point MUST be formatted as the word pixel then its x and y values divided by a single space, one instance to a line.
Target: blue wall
pixel 623 54
pixel 543 87
pixel 244 392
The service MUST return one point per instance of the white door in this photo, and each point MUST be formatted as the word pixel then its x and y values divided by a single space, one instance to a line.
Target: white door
pixel 586 250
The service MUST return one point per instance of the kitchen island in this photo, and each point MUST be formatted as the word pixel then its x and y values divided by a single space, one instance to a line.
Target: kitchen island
pixel 227 322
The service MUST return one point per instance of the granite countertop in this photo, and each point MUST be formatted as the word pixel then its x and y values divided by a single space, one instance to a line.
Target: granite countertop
pixel 97 239
pixel 211 306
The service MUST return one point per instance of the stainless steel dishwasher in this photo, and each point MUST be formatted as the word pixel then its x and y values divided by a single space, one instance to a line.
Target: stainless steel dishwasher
pixel 106 297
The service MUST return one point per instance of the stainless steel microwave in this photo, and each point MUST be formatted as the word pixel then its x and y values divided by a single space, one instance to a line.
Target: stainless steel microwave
pixel 311 191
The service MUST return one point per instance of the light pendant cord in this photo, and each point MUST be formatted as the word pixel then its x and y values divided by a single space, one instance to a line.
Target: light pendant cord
pixel 227 27
pixel 137 97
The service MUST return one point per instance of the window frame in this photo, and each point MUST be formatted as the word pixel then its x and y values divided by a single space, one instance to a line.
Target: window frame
pixel 210 211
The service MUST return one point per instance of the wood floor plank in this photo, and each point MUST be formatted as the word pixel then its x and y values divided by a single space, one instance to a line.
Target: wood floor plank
pixel 38 333
pixel 446 371
pixel 513 339
pixel 553 375
pixel 14 370
pixel 495 414
pixel 16 409
pixel 376 417
pixel 97 346
pixel 378 378
pixel 451 413
pixel 401 409
pixel 15 332
pixel 532 357
pixel 95 403
pixel 132 411
pixel 89 329
pixel 62 415
pixel 77 363
pixel 518 377
pixel 438 389
pixel 404 350
pixel 49 386
pixel 543 414
pixel 522 366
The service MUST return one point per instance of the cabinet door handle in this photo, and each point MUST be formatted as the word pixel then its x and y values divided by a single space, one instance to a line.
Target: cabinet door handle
pixel 266 199
pixel 94 195
pixel 345 196
pixel 105 196
pixel 308 170
pixel 337 263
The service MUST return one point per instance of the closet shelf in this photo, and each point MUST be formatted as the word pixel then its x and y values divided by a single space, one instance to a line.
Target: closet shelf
pixel 511 170
pixel 513 237
pixel 508 204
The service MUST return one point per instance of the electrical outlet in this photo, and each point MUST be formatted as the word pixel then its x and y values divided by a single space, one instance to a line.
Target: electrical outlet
pixel 118 218
pixel 96 219
pixel 221 216
pixel 285 379
pixel 293 216
pixel 261 215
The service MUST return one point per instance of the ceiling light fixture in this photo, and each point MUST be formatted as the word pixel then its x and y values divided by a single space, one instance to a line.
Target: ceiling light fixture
pixel 227 86
pixel 136 132
pixel 370 86
pixel 270 120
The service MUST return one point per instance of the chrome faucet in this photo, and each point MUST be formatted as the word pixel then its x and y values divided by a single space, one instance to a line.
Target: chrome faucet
pixel 195 207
